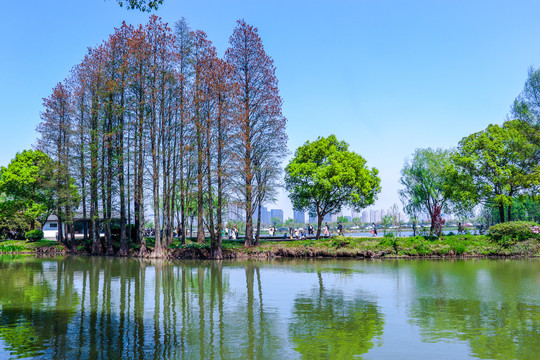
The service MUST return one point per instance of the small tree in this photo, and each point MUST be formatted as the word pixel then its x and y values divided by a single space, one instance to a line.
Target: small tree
pixel 424 179
pixel 324 176
pixel 343 219
pixel 277 222
pixel 386 222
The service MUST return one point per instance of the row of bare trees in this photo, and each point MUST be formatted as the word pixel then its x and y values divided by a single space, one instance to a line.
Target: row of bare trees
pixel 153 121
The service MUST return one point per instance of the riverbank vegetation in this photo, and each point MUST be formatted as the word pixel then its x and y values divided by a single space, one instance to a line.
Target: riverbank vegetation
pixel 354 247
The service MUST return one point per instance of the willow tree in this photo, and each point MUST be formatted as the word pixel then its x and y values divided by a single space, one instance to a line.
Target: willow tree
pixel 260 124
pixel 425 179
pixel 324 176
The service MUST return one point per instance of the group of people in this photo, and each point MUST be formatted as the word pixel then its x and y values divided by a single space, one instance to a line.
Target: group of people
pixel 231 232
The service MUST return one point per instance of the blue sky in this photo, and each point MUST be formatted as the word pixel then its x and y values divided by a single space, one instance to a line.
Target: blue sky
pixel 386 76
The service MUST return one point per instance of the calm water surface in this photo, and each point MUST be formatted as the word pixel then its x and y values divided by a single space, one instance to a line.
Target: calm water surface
pixel 100 308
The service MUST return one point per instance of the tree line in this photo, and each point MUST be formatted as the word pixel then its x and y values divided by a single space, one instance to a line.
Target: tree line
pixel 496 169
pixel 153 118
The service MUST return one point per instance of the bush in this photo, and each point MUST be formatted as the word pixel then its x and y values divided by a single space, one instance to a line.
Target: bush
pixel 389 235
pixel 509 233
pixel 34 235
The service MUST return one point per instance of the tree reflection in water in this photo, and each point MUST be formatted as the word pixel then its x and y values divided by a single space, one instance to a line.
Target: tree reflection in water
pixel 133 309
pixel 327 325
pixel 34 305
pixel 482 303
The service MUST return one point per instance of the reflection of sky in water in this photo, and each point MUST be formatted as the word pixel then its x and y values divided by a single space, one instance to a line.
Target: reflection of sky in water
pixel 426 309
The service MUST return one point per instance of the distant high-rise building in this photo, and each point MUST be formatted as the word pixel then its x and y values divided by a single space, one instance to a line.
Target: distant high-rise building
pixel 265 215
pixel 299 216
pixel 327 218
pixel 365 216
pixel 276 213
pixel 313 219
pixel 235 212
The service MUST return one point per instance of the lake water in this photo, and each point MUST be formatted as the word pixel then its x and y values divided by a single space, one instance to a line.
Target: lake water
pixel 107 308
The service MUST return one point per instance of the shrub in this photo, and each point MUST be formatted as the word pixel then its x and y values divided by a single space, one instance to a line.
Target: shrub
pixel 509 233
pixel 389 235
pixel 34 235
pixel 192 246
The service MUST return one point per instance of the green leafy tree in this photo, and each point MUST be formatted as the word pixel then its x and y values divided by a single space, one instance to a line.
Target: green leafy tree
pixel 289 222
pixel 386 222
pixel 324 176
pixel 343 219
pixel 142 5
pixel 526 107
pixel 425 179
pixel 28 186
pixel 498 164
pixel 277 222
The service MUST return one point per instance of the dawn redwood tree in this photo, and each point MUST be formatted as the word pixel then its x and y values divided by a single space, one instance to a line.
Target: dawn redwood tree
pixel 138 84
pixel 224 89
pixel 79 90
pixel 259 121
pixel 56 141
pixel 202 59
pixel 184 69
pixel 324 176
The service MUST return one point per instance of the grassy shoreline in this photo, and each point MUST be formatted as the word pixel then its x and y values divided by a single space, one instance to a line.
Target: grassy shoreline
pixel 454 246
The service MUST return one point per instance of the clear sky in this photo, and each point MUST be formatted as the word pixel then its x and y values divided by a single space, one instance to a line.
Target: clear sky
pixel 386 76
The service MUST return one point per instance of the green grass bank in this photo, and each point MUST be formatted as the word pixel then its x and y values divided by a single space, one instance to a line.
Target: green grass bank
pixel 379 247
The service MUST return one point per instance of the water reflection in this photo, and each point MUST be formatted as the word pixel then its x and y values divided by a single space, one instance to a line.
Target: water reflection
pixel 95 307
pixel 491 306
pixel 327 325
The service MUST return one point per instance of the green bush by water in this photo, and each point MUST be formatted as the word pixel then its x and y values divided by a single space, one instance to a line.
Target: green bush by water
pixel 34 235
pixel 509 233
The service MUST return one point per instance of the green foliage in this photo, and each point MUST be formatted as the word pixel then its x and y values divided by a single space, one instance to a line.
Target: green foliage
pixel 526 107
pixel 507 234
pixel 192 246
pixel 142 5
pixel 497 164
pixel 277 222
pixel 426 181
pixel 11 248
pixel 28 188
pixel 34 235
pixel 343 219
pixel 289 222
pixel 324 176
pixel 389 235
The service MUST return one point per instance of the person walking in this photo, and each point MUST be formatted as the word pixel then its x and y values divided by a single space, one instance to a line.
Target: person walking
pixel 326 230
pixel 374 231
pixel 339 229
